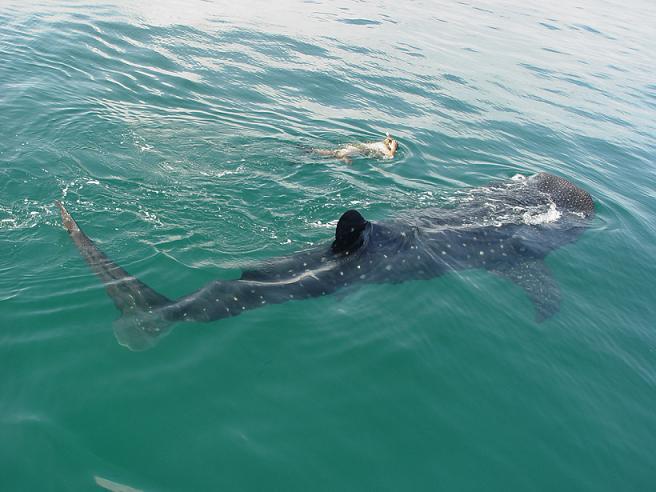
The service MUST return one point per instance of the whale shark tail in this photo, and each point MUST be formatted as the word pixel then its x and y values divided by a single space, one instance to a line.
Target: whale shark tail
pixel 143 319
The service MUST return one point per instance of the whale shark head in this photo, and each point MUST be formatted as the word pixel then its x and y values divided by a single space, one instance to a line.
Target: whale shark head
pixel 350 232
pixel 565 195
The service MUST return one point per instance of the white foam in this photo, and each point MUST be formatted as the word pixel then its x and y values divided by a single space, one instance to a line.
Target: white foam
pixel 326 225
pixel 10 221
pixel 551 215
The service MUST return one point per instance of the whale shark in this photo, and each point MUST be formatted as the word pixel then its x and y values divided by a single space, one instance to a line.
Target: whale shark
pixel 506 228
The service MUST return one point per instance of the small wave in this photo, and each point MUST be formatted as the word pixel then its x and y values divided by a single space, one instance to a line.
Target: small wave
pixel 24 215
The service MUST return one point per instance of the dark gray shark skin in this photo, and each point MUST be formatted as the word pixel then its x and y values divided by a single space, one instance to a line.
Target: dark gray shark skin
pixel 506 228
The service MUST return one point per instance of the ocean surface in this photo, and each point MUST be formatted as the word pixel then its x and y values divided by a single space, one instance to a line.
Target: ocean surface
pixel 177 134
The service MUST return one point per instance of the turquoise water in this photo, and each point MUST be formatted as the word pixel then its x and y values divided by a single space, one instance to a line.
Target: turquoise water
pixel 177 135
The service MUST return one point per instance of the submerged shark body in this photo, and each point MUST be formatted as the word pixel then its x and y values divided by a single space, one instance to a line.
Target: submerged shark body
pixel 507 228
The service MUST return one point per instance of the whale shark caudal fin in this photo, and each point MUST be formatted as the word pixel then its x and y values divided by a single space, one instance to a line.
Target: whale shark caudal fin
pixel 142 320
pixel 535 278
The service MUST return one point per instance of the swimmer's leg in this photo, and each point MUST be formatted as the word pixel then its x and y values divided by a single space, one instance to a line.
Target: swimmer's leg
pixel 325 152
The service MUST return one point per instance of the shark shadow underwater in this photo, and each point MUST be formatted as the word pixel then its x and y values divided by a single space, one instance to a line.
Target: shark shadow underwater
pixel 506 228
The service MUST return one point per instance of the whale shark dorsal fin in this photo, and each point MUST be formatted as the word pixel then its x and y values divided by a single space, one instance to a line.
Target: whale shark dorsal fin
pixel 535 278
pixel 349 232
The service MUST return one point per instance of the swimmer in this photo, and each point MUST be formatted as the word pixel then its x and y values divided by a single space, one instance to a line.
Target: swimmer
pixel 385 149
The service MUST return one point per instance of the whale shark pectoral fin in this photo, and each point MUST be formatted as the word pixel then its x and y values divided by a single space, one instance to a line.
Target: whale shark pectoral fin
pixel 535 277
